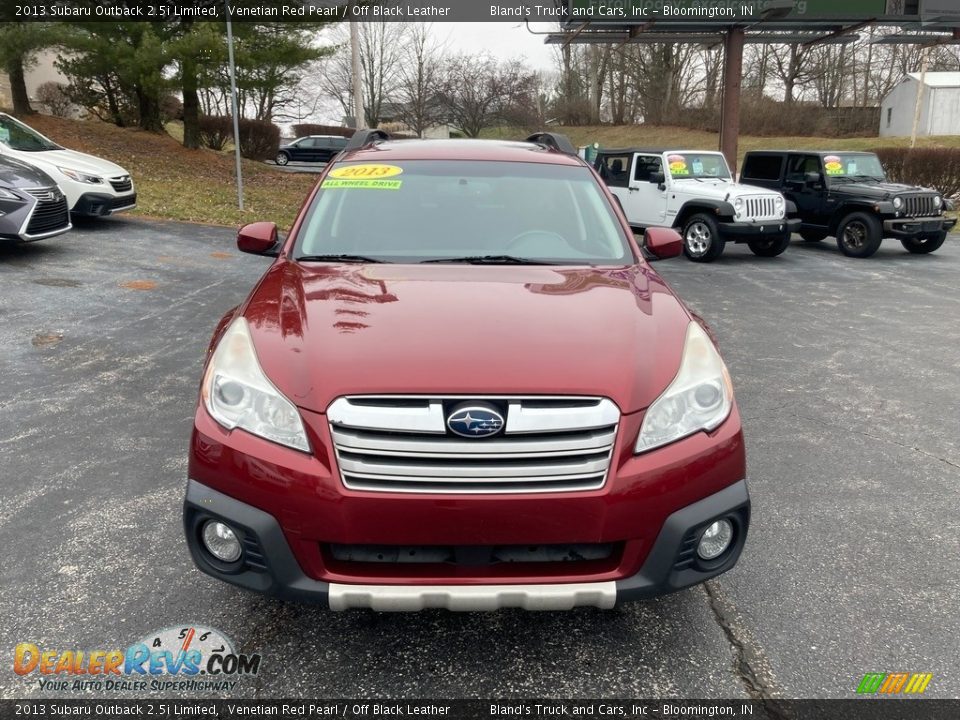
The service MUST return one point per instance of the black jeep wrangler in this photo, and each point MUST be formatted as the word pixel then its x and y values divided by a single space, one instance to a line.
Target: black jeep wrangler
pixel 846 195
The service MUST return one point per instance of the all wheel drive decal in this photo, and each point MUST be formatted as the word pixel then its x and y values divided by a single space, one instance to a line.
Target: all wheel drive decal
pixel 366 184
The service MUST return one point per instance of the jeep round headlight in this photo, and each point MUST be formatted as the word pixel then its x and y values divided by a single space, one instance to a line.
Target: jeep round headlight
pixel 781 206
pixel 937 202
pixel 898 203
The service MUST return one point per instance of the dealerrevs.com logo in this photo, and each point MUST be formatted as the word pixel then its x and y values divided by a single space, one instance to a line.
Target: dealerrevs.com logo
pixel 192 658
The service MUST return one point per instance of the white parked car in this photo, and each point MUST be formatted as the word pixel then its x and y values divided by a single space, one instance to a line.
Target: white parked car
pixel 93 186
pixel 693 192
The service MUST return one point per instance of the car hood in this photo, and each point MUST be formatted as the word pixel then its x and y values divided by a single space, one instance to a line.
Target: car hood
pixel 73 160
pixel 322 331
pixel 719 189
pixel 876 189
pixel 16 174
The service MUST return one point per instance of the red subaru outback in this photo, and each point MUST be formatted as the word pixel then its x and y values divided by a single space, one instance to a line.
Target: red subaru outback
pixel 461 385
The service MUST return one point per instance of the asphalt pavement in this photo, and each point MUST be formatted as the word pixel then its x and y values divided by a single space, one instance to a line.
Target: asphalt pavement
pixel 847 374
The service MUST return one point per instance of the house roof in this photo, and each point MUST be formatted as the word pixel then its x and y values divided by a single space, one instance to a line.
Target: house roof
pixel 939 79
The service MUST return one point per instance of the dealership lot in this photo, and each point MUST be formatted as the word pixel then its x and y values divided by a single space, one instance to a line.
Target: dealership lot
pixel 847 377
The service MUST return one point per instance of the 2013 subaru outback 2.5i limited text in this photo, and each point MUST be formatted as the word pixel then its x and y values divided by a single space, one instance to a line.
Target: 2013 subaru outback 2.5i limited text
pixel 461 385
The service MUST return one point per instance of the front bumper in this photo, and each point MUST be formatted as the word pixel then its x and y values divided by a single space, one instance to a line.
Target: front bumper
pixel 907 228
pixel 100 204
pixel 753 230
pixel 269 566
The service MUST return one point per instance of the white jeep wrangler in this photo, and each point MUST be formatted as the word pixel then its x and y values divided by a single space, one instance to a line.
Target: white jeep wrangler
pixel 693 192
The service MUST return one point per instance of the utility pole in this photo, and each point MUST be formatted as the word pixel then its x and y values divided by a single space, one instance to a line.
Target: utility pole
pixel 359 119
pixel 920 92
pixel 233 102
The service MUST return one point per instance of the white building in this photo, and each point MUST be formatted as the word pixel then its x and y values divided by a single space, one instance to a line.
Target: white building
pixel 940 107
pixel 41 71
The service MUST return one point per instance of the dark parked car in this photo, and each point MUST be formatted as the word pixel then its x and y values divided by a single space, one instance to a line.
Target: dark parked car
pixel 846 195
pixel 314 148
pixel 32 207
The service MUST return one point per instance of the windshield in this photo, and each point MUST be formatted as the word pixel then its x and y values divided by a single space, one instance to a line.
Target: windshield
pixel 698 166
pixel 445 210
pixel 17 136
pixel 853 167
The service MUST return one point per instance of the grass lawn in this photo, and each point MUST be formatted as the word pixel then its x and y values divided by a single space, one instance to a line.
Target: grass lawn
pixel 174 183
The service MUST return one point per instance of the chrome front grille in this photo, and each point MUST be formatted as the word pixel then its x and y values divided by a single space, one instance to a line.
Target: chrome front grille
pixel 762 208
pixel 919 206
pixel 401 444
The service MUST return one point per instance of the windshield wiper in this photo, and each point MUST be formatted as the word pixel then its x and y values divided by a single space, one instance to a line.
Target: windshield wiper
pixel 488 260
pixel 339 258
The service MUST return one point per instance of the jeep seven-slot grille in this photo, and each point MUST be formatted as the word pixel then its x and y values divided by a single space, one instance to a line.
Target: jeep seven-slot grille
pixel 51 212
pixel 762 208
pixel 401 444
pixel 919 206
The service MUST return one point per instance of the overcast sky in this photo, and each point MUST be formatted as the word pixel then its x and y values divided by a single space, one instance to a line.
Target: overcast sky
pixel 503 40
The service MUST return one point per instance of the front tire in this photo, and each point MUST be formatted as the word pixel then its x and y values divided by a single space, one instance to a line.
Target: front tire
pixel 924 246
pixel 769 246
pixel 701 239
pixel 282 158
pixel 859 235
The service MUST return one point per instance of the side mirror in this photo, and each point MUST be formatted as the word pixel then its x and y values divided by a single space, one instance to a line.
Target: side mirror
pixel 812 178
pixel 663 243
pixel 259 238
pixel 658 178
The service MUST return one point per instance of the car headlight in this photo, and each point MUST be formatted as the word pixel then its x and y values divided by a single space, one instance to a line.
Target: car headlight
pixel 781 206
pixel 81 177
pixel 699 398
pixel 937 202
pixel 738 206
pixel 238 394
pixel 7 195
pixel 897 203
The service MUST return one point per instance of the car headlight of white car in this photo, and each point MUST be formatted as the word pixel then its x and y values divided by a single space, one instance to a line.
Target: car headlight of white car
pixel 781 206
pixel 699 398
pixel 81 177
pixel 238 394
pixel 738 206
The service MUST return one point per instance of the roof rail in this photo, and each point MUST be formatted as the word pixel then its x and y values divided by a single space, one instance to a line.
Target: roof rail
pixel 555 141
pixel 363 137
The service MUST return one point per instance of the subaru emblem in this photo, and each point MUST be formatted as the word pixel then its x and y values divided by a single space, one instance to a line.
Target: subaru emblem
pixel 475 422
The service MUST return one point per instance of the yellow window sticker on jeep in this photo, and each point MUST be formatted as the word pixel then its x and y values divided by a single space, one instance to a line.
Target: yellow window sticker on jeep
pixel 367 171
pixel 678 165
pixel 834 165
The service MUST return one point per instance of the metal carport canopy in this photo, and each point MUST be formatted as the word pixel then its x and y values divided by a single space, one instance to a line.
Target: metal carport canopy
pixel 736 22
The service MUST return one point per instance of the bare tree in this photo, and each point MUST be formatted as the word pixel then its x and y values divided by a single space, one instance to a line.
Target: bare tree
pixel 419 79
pixel 477 92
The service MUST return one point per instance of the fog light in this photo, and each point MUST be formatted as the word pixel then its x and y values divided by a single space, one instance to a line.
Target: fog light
pixel 221 541
pixel 715 540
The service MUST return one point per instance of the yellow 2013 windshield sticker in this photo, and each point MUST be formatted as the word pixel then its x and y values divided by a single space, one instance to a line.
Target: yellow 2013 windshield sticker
pixel 366 176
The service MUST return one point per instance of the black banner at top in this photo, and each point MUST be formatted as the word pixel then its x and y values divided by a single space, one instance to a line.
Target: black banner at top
pixel 489 709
